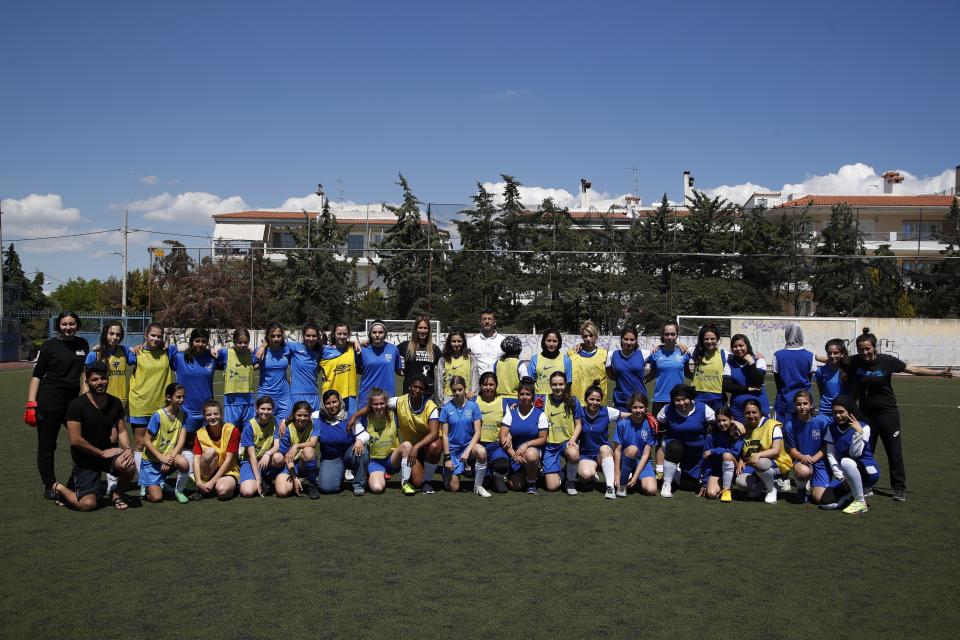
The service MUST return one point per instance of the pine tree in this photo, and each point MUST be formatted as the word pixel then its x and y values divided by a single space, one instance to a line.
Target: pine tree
pixel 26 292
pixel 839 285
pixel 941 296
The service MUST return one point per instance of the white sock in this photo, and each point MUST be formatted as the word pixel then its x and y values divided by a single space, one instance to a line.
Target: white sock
pixel 727 477
pixel 429 468
pixel 479 471
pixel 404 470
pixel 111 483
pixel 183 476
pixel 767 476
pixel 658 468
pixel 572 471
pixel 137 458
pixel 669 470
pixel 607 465
pixel 852 474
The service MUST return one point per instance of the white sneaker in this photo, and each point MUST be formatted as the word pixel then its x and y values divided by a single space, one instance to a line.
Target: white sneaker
pixel 348 475
pixel 771 497
pixel 622 492
pixel 782 484
pixel 571 489
pixel 610 493
pixel 666 491
pixel 480 491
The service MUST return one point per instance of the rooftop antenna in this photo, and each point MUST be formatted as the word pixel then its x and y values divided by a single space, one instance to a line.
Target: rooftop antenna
pixel 636 181
pixel 340 187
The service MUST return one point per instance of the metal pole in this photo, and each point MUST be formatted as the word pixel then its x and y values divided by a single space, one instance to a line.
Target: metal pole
pixel 251 287
pixel 1 272
pixel 123 290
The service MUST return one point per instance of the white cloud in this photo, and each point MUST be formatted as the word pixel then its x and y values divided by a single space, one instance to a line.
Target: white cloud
pixel 149 179
pixel 37 212
pixel 850 179
pixel 311 202
pixel 511 93
pixel 192 206
pixel 532 197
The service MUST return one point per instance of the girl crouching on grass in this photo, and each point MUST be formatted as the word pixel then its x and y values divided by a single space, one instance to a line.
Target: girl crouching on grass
pixel 460 425
pixel 721 450
pixel 850 456
pixel 216 451
pixel 803 436
pixel 764 459
pixel 163 444
pixel 523 433
pixel 379 435
pixel 595 449
pixel 634 443
pixel 297 454
pixel 259 441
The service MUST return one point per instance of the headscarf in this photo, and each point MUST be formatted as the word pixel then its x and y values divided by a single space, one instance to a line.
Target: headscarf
pixel 683 390
pixel 845 401
pixel 325 415
pixel 793 335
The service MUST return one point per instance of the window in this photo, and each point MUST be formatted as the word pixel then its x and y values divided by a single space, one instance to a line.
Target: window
pixel 282 239
pixel 916 266
pixel 355 245
pixel 916 230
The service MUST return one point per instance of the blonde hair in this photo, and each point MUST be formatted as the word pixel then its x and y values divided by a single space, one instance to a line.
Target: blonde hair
pixel 590 327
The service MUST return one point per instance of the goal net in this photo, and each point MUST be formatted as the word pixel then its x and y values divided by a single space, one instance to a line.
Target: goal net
pixel 766 332
pixel 400 330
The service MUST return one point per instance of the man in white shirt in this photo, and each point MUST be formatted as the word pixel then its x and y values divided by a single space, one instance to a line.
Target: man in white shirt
pixel 485 346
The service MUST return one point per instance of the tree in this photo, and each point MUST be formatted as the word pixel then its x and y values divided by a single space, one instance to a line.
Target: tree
pixel 413 274
pixel 79 295
pixel 28 291
pixel 941 296
pixel 649 272
pixel 510 240
pixel 839 282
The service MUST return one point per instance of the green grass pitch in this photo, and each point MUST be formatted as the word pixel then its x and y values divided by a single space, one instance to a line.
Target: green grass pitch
pixel 456 566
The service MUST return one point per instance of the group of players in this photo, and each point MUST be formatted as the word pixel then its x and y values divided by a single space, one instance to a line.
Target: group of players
pixel 306 417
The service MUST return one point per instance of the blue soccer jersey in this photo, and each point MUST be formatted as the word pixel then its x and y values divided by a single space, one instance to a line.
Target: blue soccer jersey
pixel 595 429
pixel 629 375
pixel 333 440
pixel 525 427
pixel 460 421
pixel 805 437
pixel 196 376
pixel 304 364
pixel 273 374
pixel 630 433
pixel 830 384
pixel 794 368
pixel 667 366
pixel 378 367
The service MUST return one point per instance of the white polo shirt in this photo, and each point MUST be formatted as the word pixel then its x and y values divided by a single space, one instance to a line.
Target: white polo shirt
pixel 486 351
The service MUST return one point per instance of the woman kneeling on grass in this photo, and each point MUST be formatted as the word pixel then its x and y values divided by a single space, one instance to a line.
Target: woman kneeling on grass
pixel 684 422
pixel 563 415
pixel 492 407
pixel 259 442
pixel 764 458
pixel 460 423
pixel 297 454
pixel 163 443
pixel 215 451
pixel 721 451
pixel 522 434
pixel 803 436
pixel 378 434
pixel 595 439
pixel 336 446
pixel 850 457
pixel 634 443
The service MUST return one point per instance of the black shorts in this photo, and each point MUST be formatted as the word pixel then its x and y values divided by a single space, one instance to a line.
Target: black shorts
pixel 86 479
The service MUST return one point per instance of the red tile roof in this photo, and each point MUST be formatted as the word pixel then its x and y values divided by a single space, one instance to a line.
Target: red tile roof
pixel 870 201
pixel 298 216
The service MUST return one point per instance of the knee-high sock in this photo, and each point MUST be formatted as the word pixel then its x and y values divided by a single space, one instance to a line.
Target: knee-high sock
pixel 183 476
pixel 727 467
pixel 669 471
pixel 404 470
pixel 429 468
pixel 572 471
pixel 607 465
pixel 852 473
pixel 311 469
pixel 479 471
pixel 138 458
pixel 767 473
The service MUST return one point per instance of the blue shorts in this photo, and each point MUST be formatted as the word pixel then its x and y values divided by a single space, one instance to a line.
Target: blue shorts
pixel 298 466
pixel 516 466
pixel 139 422
pixel 238 414
pixel 193 422
pixel 692 460
pixel 590 454
pixel 494 451
pixel 821 475
pixel 381 465
pixel 281 406
pixel 628 465
pixel 246 472
pixel 150 474
pixel 553 459
pixel 455 452
pixel 312 398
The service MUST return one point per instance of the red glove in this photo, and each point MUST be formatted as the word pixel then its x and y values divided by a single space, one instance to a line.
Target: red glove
pixel 538 402
pixel 30 415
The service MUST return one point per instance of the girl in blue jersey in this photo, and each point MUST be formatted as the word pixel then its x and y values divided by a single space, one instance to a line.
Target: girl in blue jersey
pixel 379 363
pixel 803 436
pixel 460 421
pixel 705 365
pixel 633 448
pixel 522 434
pixel 831 377
pixel 275 357
pixel 335 441
pixel 685 422
pixel 721 451
pixel 339 366
pixel 297 454
pixel 238 406
pixel 258 442
pixel 304 366
pixel 743 376
pixel 550 359
pixel 627 367
pixel 378 436
pixel 847 443
pixel 667 370
pixel 595 419
pixel 792 368
pixel 563 415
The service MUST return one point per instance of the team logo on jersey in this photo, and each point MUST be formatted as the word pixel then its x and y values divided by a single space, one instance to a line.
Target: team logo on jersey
pixel 388 357
pixel 342 368
pixel 815 434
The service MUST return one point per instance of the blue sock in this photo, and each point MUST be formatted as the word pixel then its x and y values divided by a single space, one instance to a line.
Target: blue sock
pixel 311 470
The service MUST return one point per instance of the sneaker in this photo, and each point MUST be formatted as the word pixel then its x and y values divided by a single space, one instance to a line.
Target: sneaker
pixel 348 475
pixel 49 493
pixel 407 489
pixel 610 493
pixel 181 497
pixel 268 489
pixel 868 493
pixel 771 497
pixel 313 491
pixel 782 484
pixel 480 491
pixel 143 492
pixel 427 488
pixel 531 490
pixel 571 489
pixel 900 495
pixel 359 491
pixel 622 492
pixel 666 491
pixel 833 506
pixel 500 485
pixel 726 495
pixel 857 506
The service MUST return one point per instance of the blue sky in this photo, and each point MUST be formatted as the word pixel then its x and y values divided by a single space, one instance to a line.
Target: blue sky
pixel 180 109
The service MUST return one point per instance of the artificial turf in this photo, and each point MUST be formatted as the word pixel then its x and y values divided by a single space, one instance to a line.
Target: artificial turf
pixel 457 566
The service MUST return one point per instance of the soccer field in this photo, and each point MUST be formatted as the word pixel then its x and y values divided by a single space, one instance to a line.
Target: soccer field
pixel 457 566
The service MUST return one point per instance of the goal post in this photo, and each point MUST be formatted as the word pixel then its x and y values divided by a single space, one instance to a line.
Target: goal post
pixel 400 330
pixel 766 332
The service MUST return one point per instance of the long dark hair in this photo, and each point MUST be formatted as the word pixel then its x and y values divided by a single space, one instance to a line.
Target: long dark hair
pixel 543 343
pixel 569 406
pixel 699 351
pixel 196 333
pixel 448 349
pixel 105 349
pixel 321 337
pixel 746 341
